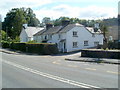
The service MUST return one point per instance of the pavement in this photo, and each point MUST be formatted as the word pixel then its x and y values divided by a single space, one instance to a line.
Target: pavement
pixel 73 57
pixel 92 60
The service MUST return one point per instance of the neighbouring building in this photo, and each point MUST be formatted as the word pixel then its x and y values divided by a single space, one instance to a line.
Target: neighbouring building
pixel 28 32
pixel 70 37
pixel 112 34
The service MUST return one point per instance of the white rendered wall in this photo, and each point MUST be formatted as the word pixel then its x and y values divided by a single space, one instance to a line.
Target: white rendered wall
pixel 83 35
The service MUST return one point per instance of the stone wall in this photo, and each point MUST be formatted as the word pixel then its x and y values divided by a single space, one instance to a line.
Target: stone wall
pixel 113 54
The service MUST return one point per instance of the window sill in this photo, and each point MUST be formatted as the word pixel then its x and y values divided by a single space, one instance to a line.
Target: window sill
pixel 86 45
pixel 75 47
pixel 75 36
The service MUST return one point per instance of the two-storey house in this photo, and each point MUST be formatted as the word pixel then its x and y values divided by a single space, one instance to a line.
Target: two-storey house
pixel 69 37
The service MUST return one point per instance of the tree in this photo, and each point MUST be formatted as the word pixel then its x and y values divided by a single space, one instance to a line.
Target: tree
pixel 2 35
pixel 31 17
pixel 104 30
pixel 46 20
pixel 59 21
pixel 13 22
pixel 15 18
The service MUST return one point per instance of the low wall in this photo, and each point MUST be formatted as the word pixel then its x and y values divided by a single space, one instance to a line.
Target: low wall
pixel 113 54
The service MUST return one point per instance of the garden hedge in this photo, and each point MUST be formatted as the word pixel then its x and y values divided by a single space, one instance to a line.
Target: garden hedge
pixel 42 48
pixel 18 46
pixel 37 48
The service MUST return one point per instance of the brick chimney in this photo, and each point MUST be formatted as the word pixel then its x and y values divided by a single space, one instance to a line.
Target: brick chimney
pixel 48 26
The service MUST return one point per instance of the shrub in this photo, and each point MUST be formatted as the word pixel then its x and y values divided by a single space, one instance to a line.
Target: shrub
pixel 5 44
pixel 33 41
pixel 18 46
pixel 42 48
pixel 50 49
pixel 37 48
pixel 114 45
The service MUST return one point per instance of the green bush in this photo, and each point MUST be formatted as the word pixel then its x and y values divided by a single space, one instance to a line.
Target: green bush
pixel 41 48
pixel 114 45
pixel 37 48
pixel 50 49
pixel 33 41
pixel 5 44
pixel 18 46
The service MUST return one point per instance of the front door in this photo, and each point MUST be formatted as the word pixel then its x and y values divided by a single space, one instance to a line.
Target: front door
pixel 64 47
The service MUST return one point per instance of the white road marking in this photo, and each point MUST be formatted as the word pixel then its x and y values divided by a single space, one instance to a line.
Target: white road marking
pixel 90 69
pixel 71 65
pixel 86 64
pixel 113 72
pixel 68 81
pixel 56 63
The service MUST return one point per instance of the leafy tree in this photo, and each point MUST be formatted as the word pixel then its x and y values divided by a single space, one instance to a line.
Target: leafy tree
pixel 2 35
pixel 46 20
pixel 15 18
pixel 104 30
pixel 31 17
pixel 59 21
pixel 13 22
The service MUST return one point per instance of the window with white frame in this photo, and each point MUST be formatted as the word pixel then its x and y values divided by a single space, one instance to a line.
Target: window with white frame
pixel 96 43
pixel 85 43
pixel 75 44
pixel 75 34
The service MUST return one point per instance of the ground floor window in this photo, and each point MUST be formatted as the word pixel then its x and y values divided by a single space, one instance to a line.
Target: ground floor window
pixel 75 44
pixel 85 43
pixel 96 43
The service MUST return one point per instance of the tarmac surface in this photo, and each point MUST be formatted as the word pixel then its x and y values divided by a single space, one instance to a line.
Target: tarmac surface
pixel 72 57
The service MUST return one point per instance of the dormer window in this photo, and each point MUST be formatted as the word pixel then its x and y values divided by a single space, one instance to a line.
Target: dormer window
pixel 75 34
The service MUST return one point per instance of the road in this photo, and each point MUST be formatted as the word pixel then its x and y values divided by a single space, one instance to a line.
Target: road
pixel 35 71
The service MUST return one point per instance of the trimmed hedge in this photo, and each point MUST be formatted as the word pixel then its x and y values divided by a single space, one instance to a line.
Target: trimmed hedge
pixel 42 48
pixel 36 48
pixel 18 46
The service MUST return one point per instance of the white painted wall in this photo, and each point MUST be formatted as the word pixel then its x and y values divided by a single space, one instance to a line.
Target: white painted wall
pixel 83 35
pixel 23 36
pixel 54 39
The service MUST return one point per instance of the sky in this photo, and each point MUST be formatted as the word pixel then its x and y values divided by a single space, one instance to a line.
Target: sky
pixel 83 9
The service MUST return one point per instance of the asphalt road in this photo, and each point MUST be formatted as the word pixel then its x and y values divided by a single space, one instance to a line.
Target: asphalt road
pixel 34 71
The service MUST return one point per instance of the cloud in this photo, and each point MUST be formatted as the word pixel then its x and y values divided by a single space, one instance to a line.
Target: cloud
pixel 119 8
pixel 7 5
pixel 42 8
pixel 89 12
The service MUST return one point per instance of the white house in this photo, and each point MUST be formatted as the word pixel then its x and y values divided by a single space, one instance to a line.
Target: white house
pixel 70 37
pixel 28 32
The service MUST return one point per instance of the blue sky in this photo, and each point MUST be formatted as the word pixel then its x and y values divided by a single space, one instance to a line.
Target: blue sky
pixel 83 9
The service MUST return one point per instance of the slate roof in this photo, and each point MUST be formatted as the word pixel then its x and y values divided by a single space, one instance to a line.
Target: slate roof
pixel 49 31
pixel 69 27
pixel 40 32
pixel 32 30
pixel 52 30
pixel 61 29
